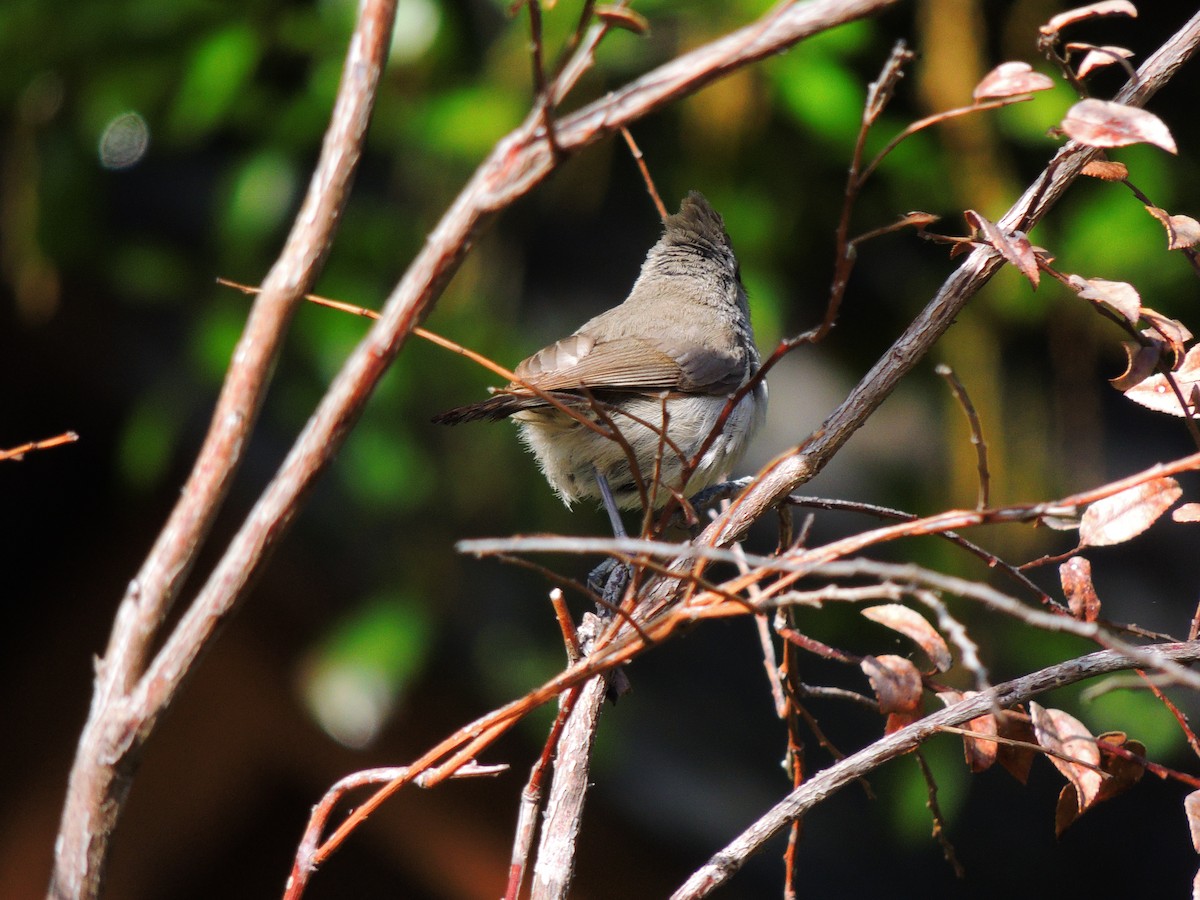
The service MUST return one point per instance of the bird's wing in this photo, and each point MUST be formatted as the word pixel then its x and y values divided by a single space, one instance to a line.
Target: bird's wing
pixel 629 363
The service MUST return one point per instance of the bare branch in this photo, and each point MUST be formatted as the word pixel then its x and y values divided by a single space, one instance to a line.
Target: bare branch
pixel 531 799
pixel 365 778
pixel 555 865
pixel 959 390
pixel 18 453
pixel 101 772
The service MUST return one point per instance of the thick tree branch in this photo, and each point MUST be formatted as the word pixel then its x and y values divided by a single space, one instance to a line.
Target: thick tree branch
pixel 555 864
pixel 116 722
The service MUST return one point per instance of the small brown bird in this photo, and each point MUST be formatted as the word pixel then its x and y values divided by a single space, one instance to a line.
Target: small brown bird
pixel 681 341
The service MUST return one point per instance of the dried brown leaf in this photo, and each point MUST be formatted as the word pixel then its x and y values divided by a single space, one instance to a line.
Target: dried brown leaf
pixel 1103 123
pixel 1067 810
pixel 1119 296
pixel 1063 734
pixel 1105 170
pixel 918 219
pixel 1026 256
pixel 1141 363
pixel 1182 231
pixel 1098 57
pixel 1061 518
pixel 1009 79
pixel 1187 232
pixel 1124 516
pixel 1154 391
pixel 1091 11
pixel 1123 772
pixel 896 721
pixel 1171 329
pixel 1076 577
pixel 1017 761
pixel 1186 514
pixel 1191 807
pixel 895 681
pixel 980 754
pixel 960 248
pixel 622 17
pixel 1174 332
pixel 914 626
pixel 1014 247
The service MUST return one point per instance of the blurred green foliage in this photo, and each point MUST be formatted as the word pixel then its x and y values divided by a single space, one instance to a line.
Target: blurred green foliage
pixel 356 677
pixel 912 821
pixel 819 90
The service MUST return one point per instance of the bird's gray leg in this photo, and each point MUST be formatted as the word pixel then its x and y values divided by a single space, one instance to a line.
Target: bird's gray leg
pixel 610 505
pixel 609 580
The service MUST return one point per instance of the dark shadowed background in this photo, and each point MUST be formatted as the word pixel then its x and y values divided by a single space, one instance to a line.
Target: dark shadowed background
pixel 149 148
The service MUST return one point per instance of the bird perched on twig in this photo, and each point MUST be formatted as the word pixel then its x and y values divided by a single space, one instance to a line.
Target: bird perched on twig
pixel 660 368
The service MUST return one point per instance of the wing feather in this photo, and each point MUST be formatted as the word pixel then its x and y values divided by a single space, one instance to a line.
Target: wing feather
pixel 630 363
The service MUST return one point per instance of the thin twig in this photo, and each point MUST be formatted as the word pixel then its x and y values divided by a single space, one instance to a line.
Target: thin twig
pixel 1020 745
pixel 585 20
pixel 792 711
pixel 771 666
pixel 535 50
pixel 885 512
pixel 815 647
pixel 566 625
pixel 939 821
pixel 766 643
pixel 797 561
pixel 879 94
pixel 1192 255
pixel 825 692
pixel 543 100
pixel 365 778
pixel 17 453
pixel 531 798
pixel 938 119
pixel 1180 717
pixel 959 390
pixel 563 402
pixel 968 650
pixel 636 152
pixel 1049 45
